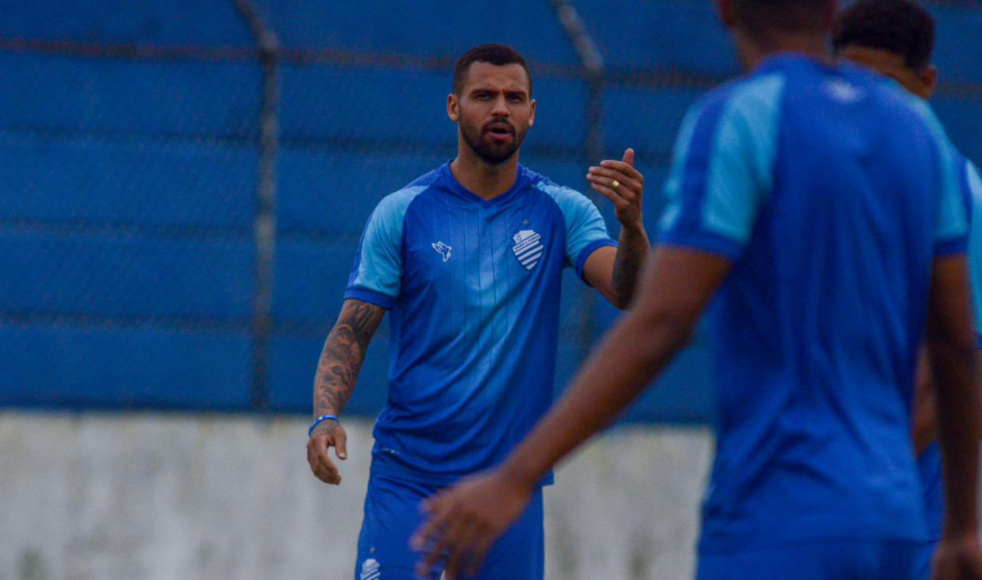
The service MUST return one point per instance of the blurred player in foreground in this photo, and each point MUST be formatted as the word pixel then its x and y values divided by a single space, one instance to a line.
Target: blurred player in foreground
pixel 896 38
pixel 824 211
pixel 469 260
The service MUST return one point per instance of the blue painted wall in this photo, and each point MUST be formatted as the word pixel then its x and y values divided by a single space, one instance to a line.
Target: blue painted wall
pixel 128 184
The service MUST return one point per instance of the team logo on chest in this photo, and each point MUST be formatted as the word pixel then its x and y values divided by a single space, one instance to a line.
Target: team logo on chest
pixel 442 249
pixel 528 248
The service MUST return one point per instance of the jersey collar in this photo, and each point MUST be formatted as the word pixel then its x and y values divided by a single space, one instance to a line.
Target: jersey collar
pixel 460 191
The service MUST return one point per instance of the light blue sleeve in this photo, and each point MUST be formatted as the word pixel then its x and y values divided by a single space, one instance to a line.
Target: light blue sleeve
pixel 377 274
pixel 586 231
pixel 974 183
pixel 951 226
pixel 722 168
pixel 951 231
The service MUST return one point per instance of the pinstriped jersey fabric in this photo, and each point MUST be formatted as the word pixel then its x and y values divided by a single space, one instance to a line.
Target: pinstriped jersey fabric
pixel 831 193
pixel 473 289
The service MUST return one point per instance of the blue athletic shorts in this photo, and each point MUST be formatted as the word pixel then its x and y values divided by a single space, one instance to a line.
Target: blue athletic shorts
pixel 392 514
pixel 925 560
pixel 819 560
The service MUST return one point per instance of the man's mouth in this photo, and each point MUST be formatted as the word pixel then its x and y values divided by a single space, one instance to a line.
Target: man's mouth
pixel 500 131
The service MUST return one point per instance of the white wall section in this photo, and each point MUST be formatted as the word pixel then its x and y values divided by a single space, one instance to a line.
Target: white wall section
pixel 189 497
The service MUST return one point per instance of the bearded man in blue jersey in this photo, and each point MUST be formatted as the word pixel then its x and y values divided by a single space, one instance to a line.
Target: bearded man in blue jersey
pixel 823 211
pixel 896 39
pixel 468 261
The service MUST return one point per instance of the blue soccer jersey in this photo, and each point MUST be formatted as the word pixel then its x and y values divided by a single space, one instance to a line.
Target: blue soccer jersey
pixel 831 194
pixel 473 289
pixel 929 461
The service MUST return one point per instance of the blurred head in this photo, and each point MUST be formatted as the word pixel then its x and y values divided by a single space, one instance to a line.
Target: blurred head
pixel 771 25
pixel 893 37
pixel 492 101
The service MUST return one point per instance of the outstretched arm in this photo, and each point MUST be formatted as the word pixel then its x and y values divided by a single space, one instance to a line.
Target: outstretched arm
pixel 615 273
pixel 337 372
pixel 951 347
pixel 467 519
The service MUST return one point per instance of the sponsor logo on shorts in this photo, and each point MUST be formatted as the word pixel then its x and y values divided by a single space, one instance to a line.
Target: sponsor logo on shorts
pixel 371 570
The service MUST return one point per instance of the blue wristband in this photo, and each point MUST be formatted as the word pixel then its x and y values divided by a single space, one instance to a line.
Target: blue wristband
pixel 318 420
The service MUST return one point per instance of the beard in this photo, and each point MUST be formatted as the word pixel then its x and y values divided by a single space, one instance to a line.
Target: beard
pixel 490 152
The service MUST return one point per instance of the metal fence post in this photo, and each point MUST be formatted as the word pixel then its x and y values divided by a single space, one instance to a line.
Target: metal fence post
pixel 265 225
pixel 592 64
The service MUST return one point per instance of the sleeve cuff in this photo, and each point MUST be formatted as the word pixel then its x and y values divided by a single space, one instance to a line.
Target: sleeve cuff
pixel 952 247
pixel 370 296
pixel 705 242
pixel 589 249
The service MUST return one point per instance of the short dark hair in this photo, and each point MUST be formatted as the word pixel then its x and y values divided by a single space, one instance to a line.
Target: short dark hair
pixel 767 16
pixel 902 27
pixel 496 54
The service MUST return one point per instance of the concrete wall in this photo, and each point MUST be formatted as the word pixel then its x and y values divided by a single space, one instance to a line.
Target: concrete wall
pixel 173 497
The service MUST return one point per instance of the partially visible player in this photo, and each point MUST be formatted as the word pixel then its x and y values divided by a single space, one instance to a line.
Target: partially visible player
pixel 468 261
pixel 824 211
pixel 896 39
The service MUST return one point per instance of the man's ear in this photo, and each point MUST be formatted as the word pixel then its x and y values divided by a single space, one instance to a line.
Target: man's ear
pixel 929 80
pixel 532 115
pixel 453 107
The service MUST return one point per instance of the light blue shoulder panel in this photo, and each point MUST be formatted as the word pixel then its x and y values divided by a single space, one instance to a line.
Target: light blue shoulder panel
pixel 377 273
pixel 585 227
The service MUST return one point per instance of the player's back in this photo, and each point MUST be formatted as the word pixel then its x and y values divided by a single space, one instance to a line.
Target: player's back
pixel 819 323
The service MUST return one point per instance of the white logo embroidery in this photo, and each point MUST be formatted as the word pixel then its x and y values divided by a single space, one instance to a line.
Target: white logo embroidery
pixel 443 249
pixel 371 569
pixel 844 92
pixel 528 248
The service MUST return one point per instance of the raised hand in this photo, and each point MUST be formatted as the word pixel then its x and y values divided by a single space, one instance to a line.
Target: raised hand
pixel 623 185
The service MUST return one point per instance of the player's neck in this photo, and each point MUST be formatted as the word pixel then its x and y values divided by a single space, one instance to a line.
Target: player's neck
pixel 754 52
pixel 483 179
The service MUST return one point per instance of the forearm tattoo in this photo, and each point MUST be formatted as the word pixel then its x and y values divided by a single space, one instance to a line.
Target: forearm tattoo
pixel 632 253
pixel 343 355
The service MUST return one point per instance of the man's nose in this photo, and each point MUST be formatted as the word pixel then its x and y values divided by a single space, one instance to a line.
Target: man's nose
pixel 501 107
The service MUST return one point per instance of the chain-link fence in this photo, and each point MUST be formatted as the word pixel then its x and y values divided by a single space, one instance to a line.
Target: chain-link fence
pixel 184 186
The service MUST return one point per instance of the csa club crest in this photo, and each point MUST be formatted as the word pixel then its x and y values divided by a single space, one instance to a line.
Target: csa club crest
pixel 528 248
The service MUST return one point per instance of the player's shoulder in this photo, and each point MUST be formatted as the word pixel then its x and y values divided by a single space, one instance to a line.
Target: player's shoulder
pixel 565 197
pixel 395 204
pixel 755 97
pixel 973 181
pixel 894 100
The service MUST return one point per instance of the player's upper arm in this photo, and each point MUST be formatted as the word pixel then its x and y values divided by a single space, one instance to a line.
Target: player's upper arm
pixel 953 210
pixel 973 180
pixel 722 168
pixel 586 231
pixel 950 313
pixel 377 274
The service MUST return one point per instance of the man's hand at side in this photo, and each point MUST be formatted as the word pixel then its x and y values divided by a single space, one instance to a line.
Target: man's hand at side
pixel 326 435
pixel 340 362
